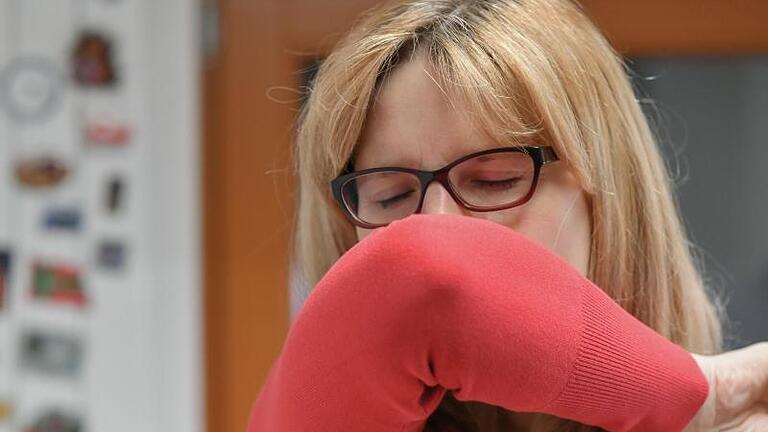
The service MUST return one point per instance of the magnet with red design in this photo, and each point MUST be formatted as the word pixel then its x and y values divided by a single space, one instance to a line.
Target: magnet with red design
pixel 107 132
pixel 57 283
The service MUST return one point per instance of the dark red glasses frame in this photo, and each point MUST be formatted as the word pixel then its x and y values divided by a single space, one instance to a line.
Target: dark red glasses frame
pixel 540 156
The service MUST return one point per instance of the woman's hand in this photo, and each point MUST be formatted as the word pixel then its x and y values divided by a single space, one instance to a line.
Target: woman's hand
pixel 738 391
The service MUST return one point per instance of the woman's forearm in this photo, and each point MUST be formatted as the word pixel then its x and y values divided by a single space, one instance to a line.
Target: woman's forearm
pixel 441 302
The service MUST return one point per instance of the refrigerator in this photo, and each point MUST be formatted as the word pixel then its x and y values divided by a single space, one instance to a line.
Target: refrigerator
pixel 100 268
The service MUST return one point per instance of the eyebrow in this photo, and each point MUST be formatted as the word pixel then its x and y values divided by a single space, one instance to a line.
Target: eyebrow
pixel 407 163
pixel 412 163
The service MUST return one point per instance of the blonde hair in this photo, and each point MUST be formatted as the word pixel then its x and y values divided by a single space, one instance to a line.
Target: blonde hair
pixel 529 70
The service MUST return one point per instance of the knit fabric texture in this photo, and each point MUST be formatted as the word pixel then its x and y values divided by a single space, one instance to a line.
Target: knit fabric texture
pixel 436 303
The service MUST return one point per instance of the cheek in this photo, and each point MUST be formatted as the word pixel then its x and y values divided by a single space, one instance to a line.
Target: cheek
pixel 574 239
pixel 361 233
pixel 562 224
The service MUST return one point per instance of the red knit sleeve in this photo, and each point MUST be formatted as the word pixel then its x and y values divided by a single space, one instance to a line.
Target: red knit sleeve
pixel 443 302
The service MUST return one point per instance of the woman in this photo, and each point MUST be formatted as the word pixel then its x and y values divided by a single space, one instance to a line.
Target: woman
pixel 424 85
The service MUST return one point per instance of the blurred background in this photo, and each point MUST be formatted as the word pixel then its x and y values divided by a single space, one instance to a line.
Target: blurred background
pixel 146 190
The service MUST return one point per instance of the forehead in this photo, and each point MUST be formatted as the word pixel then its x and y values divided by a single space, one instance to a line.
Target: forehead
pixel 413 123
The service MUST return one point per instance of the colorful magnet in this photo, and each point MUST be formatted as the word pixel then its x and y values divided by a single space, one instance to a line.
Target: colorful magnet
pixel 114 195
pixel 107 133
pixel 111 255
pixel 5 271
pixel 57 283
pixel 92 60
pixel 40 172
pixel 30 89
pixel 56 421
pixel 6 410
pixel 62 218
pixel 51 353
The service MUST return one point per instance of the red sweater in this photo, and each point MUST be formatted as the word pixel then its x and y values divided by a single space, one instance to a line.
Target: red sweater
pixel 442 302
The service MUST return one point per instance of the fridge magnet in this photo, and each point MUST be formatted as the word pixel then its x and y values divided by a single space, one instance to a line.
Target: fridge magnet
pixel 50 353
pixel 6 410
pixel 57 283
pixel 62 218
pixel 111 255
pixel 92 60
pixel 113 197
pixel 40 172
pixel 30 89
pixel 56 421
pixel 107 133
pixel 5 270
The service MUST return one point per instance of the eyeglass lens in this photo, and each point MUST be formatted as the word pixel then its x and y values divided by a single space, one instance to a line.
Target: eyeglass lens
pixel 485 181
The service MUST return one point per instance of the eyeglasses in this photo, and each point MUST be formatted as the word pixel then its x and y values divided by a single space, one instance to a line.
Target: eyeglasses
pixel 484 181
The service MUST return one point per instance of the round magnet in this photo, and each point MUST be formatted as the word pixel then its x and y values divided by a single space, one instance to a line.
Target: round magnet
pixel 29 89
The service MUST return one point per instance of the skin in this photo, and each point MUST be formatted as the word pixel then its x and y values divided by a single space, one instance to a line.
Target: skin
pixel 412 124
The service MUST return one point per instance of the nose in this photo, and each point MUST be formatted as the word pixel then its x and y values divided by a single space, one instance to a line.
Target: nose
pixel 438 200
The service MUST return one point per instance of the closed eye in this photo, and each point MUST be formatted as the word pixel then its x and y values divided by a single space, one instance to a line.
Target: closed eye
pixel 497 184
pixel 393 200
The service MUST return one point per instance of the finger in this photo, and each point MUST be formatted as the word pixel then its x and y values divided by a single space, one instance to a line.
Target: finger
pixel 743 377
pixel 756 421
pixel 764 366
pixel 759 353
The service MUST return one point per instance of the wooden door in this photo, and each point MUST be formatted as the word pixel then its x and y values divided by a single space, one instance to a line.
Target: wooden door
pixel 250 105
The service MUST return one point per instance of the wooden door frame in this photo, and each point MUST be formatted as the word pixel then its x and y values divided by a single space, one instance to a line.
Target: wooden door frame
pixel 246 161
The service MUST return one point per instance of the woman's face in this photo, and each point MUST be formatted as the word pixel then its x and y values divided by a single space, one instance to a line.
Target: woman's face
pixel 412 124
